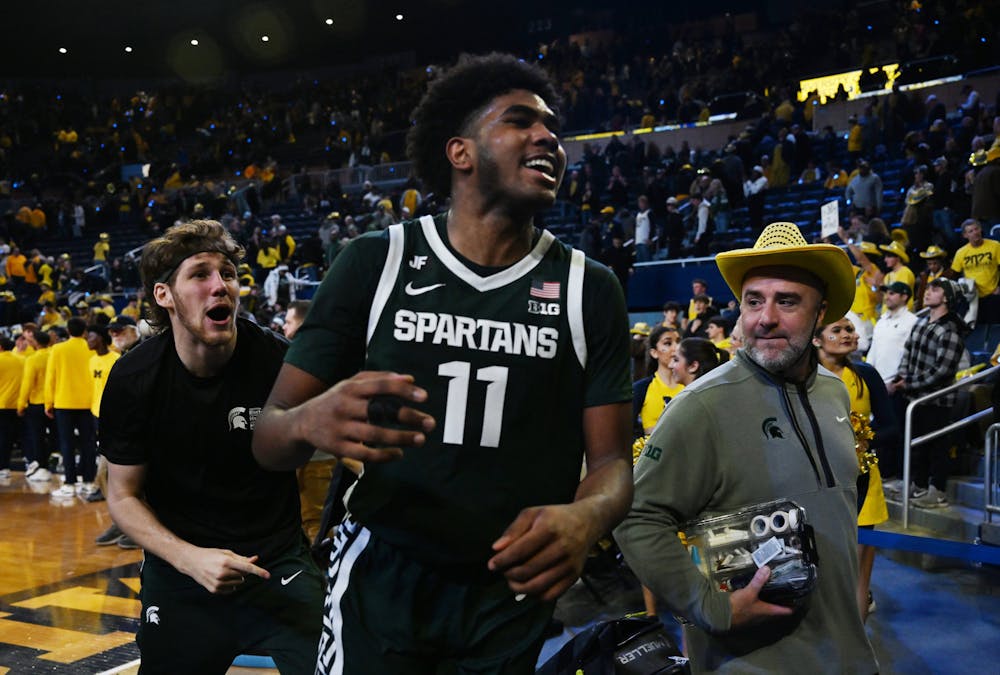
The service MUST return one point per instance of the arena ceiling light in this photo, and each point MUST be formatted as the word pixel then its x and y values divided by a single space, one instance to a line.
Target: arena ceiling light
pixel 399 17
pixel 264 38
pixel 194 42
pixel 329 22
pixel 63 50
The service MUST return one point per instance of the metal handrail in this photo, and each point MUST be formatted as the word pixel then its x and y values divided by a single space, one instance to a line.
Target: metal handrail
pixel 354 176
pixel 991 447
pixel 909 441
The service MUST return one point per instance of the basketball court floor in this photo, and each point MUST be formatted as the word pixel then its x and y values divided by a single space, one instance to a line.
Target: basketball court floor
pixel 68 606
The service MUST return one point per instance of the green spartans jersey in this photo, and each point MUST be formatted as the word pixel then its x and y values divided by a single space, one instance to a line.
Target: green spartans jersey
pixel 506 364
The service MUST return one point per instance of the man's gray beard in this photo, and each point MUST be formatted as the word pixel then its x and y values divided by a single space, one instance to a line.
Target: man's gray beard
pixel 780 364
pixel 123 343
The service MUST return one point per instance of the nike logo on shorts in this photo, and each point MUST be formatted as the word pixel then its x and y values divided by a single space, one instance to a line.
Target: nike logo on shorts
pixel 413 290
pixel 287 580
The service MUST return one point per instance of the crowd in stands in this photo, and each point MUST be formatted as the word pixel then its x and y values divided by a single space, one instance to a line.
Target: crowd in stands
pixel 627 200
pixel 61 155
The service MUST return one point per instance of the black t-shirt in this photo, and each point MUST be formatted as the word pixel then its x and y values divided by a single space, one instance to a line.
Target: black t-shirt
pixel 194 434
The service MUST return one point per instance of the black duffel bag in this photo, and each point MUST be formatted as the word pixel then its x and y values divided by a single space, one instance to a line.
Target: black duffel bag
pixel 629 646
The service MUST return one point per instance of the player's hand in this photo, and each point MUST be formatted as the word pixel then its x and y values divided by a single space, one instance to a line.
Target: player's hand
pixel 543 551
pixel 50 413
pixel 340 420
pixel 220 571
pixel 747 608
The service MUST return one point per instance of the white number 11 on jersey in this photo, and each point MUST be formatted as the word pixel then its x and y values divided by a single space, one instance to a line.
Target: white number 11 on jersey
pixel 458 396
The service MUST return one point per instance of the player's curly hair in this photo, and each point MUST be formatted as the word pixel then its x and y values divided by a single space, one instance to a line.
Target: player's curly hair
pixel 455 98
pixel 162 256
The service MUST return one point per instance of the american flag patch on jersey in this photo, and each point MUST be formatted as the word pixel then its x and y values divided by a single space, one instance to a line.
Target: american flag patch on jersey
pixel 547 290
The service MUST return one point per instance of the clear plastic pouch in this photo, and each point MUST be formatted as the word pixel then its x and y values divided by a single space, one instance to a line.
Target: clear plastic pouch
pixel 729 549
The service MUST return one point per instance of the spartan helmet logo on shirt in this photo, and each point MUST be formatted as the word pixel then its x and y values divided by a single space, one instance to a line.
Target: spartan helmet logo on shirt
pixel 243 418
pixel 771 429
pixel 152 614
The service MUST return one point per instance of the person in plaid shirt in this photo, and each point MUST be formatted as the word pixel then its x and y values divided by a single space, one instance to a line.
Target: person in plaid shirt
pixel 930 360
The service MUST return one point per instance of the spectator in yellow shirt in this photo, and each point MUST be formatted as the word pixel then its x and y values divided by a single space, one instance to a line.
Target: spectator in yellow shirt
pixel 106 307
pixel 896 261
pixel 14 268
pixel 268 258
pixel 31 406
pixel 45 271
pixel 11 371
pixel 101 250
pixel 38 219
pixel 49 316
pixel 68 392
pixel 99 341
pixel 47 295
pixel 979 260
pixel 835 176
pixel 718 332
pixel 132 309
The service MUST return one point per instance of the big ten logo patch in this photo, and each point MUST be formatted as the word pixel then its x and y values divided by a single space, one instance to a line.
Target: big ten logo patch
pixel 653 452
pixel 543 308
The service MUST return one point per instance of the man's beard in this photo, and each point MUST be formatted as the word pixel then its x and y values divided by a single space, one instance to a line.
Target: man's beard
pixel 783 361
pixel 123 342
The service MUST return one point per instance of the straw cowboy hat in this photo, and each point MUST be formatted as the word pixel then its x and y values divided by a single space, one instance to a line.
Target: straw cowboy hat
pixel 934 252
pixel 640 328
pixel 897 249
pixel 869 248
pixel 782 245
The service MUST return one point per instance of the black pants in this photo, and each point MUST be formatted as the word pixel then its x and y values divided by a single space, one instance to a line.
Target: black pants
pixel 890 455
pixel 930 462
pixel 37 438
pixel 387 613
pixel 186 629
pixel 83 422
pixel 8 431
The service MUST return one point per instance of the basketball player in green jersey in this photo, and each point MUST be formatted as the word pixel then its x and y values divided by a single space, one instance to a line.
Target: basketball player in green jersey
pixel 509 352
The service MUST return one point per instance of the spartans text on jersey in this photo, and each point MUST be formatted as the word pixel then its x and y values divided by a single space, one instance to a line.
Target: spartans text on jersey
pixel 480 334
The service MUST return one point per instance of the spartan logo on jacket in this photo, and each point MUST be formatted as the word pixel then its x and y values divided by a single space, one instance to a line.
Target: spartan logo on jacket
pixel 771 429
pixel 243 418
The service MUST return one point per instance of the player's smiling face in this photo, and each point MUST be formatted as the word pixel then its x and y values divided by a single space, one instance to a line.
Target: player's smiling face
pixel 518 150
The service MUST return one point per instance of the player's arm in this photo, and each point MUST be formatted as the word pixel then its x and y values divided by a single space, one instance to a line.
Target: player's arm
pixel 27 377
pixel 543 551
pixel 217 570
pixel 303 413
pixel 320 400
pixel 49 391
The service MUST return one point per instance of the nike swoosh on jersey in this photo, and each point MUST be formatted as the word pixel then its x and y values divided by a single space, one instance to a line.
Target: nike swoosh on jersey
pixel 286 581
pixel 841 419
pixel 413 290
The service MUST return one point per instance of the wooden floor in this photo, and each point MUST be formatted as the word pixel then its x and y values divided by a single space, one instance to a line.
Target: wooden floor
pixel 66 604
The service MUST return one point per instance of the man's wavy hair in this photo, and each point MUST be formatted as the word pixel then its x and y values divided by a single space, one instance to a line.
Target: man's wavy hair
pixel 455 98
pixel 162 256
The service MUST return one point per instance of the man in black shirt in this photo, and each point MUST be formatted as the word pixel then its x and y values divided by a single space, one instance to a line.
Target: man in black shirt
pixel 227 569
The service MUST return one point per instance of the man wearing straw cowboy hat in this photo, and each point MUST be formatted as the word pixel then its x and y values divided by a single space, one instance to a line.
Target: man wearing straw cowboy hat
pixel 896 260
pixel 769 424
pixel 936 261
